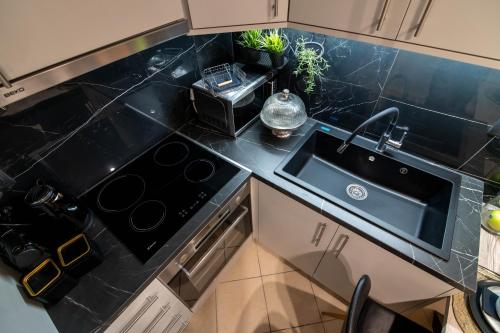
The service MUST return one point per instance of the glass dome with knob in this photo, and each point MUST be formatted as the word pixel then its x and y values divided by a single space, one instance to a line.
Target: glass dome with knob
pixel 283 113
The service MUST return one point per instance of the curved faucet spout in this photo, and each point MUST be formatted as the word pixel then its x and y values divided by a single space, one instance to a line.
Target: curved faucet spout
pixel 386 136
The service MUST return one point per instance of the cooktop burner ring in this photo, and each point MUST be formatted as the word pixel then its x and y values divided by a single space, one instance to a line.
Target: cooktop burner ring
pixel 179 148
pixel 161 212
pixel 127 189
pixel 199 171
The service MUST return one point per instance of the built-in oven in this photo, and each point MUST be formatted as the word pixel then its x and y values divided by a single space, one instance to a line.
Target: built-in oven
pixel 198 264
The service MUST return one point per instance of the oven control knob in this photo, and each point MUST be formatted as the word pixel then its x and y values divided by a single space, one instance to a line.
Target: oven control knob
pixel 238 199
pixel 183 259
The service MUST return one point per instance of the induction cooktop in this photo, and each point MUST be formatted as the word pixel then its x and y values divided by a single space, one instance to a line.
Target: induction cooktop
pixel 146 202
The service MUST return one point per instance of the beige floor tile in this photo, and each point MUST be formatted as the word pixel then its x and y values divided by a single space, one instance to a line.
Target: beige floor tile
pixel 315 328
pixel 329 307
pixel 241 307
pixel 244 265
pixel 271 264
pixel 290 301
pixel 333 326
pixel 204 320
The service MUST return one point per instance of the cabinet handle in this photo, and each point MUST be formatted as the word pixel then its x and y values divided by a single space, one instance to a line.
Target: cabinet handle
pixel 343 241
pixel 4 81
pixel 149 301
pixel 172 323
pixel 322 228
pixel 422 20
pixel 182 327
pixel 217 245
pixel 315 235
pixel 382 15
pixel 275 8
pixel 163 310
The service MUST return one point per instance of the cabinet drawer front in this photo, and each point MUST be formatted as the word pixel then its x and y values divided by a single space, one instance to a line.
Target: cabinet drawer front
pixel 153 310
pixel 223 13
pixel 456 25
pixel 359 16
pixel 394 280
pixel 292 230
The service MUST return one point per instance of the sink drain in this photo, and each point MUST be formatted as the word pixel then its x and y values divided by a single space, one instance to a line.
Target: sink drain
pixel 356 191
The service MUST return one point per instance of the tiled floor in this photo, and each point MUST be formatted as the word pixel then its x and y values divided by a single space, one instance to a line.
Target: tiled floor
pixel 260 293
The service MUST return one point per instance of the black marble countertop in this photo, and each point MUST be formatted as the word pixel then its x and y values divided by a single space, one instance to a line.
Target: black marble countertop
pixel 113 120
pixel 106 289
pixel 261 152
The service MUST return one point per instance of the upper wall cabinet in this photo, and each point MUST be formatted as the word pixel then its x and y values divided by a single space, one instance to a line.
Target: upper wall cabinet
pixel 457 25
pixel 381 18
pixel 36 34
pixel 224 13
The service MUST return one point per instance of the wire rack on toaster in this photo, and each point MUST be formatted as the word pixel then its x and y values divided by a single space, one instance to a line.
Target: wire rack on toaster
pixel 223 78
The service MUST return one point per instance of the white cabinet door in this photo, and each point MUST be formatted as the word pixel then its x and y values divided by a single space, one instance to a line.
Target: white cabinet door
pixel 292 230
pixel 156 309
pixel 457 25
pixel 395 281
pixel 359 16
pixel 224 13
pixel 36 34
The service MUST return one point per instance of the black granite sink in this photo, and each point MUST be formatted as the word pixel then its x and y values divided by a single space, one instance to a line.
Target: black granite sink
pixel 405 195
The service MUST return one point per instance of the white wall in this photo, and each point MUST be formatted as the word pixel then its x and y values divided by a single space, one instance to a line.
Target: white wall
pixel 17 314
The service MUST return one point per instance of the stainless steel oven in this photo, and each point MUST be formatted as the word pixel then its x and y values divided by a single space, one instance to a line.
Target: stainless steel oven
pixel 233 111
pixel 198 264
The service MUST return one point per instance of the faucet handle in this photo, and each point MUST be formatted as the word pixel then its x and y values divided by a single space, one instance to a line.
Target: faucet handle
pixel 399 143
pixel 405 130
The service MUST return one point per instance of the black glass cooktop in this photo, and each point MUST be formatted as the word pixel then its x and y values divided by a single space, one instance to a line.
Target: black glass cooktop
pixel 145 203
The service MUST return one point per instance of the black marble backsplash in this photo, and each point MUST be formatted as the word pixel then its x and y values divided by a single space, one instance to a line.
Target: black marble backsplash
pixel 78 131
pixel 448 105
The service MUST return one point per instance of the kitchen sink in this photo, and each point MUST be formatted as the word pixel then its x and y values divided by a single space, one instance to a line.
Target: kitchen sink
pixel 405 195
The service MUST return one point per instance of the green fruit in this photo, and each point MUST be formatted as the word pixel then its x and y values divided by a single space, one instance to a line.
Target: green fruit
pixel 495 177
pixel 494 219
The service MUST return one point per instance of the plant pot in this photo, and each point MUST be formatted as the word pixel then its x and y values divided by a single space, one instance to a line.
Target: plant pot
pixel 277 59
pixel 300 84
pixel 247 55
pixel 261 58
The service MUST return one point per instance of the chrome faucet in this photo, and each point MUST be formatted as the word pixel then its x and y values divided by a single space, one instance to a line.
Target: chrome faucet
pixel 386 139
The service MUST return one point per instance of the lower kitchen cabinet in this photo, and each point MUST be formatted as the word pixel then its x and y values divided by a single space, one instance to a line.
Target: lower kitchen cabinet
pixel 292 230
pixel 337 257
pixel 155 309
pixel 395 282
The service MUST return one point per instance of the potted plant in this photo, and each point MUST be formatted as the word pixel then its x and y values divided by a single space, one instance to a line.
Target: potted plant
pixel 250 41
pixel 275 44
pixel 267 49
pixel 310 63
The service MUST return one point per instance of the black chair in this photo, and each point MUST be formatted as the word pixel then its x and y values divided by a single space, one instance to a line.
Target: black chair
pixel 367 316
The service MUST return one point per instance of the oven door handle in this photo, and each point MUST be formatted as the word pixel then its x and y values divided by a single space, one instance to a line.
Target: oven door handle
pixel 202 261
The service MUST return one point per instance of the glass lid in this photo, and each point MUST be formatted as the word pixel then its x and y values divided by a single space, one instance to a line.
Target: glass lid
pixel 283 111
